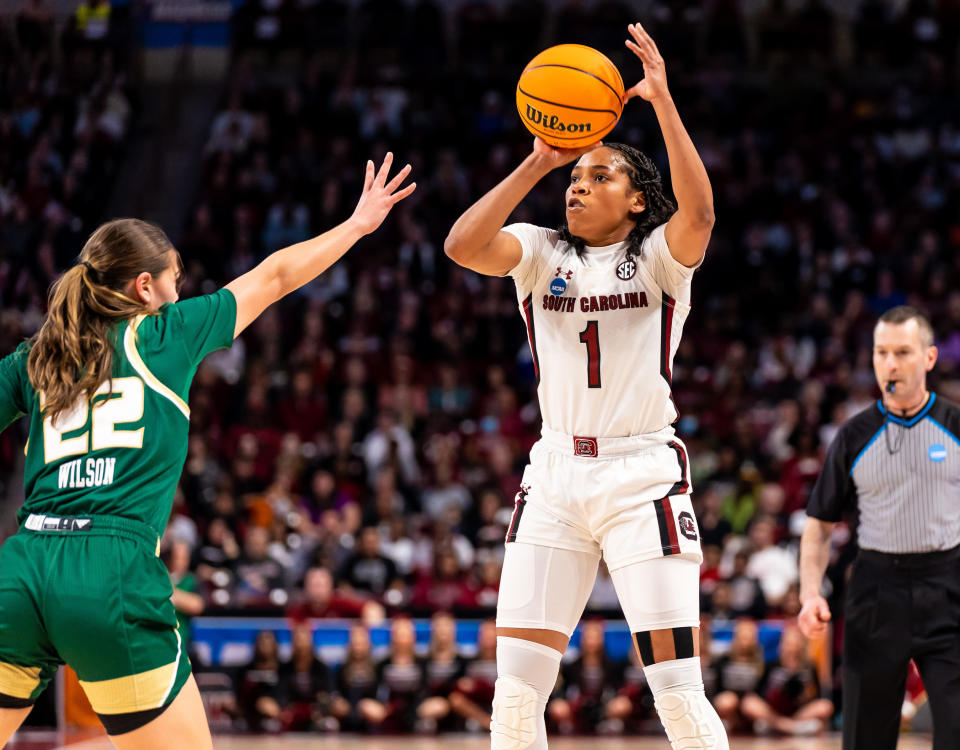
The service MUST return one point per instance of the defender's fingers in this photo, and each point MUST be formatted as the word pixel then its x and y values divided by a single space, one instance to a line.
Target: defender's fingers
pixel 397 197
pixel 385 168
pixel 368 176
pixel 398 179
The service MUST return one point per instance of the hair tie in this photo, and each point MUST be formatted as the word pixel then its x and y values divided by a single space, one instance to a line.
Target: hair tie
pixel 91 269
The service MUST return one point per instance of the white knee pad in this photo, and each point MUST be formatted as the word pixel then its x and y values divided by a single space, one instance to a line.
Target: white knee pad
pixel 527 673
pixel 688 717
pixel 516 715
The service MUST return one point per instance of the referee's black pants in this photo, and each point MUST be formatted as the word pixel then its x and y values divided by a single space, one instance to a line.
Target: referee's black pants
pixel 901 607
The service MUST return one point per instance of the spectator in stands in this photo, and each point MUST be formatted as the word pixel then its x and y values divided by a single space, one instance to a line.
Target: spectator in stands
pixel 400 678
pixel 444 493
pixel 356 705
pixel 443 666
pixel 92 19
pixel 390 444
pixel 318 600
pixel 443 586
pixel 738 672
pixel 472 696
pixel 483 586
pixel 587 686
pixel 35 25
pixel 774 566
pixel 258 686
pixel 259 575
pixel 631 709
pixel 368 571
pixel 787 699
pixel 746 592
pixel 305 690
pixel 215 559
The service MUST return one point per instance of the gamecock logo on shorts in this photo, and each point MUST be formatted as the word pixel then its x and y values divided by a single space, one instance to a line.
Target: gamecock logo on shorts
pixel 687 526
pixel 626 270
pixel 585 446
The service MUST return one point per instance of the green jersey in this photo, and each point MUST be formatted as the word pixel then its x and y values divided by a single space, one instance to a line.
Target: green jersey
pixel 120 454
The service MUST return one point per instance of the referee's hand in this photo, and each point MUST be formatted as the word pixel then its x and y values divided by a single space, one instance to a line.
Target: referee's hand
pixel 814 616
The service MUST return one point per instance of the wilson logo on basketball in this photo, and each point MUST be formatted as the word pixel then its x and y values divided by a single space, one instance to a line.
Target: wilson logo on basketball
pixel 554 123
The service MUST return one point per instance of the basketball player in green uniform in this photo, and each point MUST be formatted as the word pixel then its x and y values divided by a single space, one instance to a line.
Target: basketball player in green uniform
pixel 104 384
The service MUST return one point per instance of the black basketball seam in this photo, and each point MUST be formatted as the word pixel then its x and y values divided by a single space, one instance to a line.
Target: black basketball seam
pixel 567 106
pixel 600 133
pixel 581 70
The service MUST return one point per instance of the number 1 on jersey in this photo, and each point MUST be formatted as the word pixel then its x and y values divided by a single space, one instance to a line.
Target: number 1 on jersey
pixel 591 337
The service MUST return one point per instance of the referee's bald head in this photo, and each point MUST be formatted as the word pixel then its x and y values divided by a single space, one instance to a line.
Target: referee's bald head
pixel 904 313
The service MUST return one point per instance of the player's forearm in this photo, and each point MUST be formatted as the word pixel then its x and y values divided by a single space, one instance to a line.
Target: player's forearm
pixel 691 185
pixel 292 267
pixel 479 224
pixel 814 556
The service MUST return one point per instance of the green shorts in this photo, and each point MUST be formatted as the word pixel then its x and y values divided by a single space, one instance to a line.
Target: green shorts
pixel 92 593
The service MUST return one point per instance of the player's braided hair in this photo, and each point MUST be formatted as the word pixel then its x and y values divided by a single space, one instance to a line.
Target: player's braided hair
pixel 644 176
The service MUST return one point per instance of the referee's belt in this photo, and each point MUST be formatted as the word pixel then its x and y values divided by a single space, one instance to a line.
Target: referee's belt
pixel 910 560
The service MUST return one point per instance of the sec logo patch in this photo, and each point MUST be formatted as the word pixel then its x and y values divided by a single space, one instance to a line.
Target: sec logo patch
pixel 627 270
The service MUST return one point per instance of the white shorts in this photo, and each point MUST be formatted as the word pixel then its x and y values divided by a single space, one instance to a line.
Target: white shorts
pixel 627 498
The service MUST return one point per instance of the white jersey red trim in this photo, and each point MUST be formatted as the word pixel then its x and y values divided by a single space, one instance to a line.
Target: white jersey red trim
pixel 603 330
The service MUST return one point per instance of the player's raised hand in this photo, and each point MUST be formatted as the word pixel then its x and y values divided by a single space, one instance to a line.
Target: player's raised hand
pixel 556 157
pixel 379 196
pixel 814 616
pixel 654 82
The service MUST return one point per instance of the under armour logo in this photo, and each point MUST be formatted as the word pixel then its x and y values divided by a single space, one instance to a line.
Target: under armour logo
pixel 566 274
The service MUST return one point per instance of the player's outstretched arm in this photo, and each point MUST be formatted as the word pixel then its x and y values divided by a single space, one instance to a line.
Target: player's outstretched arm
pixel 475 240
pixel 814 556
pixel 688 230
pixel 292 267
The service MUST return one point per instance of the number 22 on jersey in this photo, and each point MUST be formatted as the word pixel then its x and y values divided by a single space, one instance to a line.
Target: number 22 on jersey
pixel 125 406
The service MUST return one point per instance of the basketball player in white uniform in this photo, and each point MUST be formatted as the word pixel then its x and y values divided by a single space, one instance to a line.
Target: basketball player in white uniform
pixel 604 300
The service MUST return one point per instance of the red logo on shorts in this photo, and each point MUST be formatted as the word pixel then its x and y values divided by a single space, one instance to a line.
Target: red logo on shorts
pixel 585 446
pixel 687 526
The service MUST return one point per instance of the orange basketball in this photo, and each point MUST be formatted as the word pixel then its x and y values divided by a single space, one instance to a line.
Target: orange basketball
pixel 570 95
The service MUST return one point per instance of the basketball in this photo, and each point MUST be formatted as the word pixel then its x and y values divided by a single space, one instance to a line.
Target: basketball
pixel 570 95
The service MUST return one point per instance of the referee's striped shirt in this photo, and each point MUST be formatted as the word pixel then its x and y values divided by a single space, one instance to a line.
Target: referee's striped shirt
pixel 900 478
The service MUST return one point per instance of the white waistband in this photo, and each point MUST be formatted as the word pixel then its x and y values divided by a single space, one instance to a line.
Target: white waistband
pixel 604 447
pixel 43 522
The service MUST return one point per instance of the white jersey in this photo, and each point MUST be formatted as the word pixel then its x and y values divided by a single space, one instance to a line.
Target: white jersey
pixel 603 330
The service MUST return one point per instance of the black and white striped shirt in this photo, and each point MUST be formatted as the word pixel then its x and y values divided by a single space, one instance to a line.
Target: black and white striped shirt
pixel 899 477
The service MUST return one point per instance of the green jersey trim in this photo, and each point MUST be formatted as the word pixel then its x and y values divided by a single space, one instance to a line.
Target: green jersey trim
pixel 152 381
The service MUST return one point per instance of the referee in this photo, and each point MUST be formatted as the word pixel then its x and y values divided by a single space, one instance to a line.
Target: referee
pixel 895 469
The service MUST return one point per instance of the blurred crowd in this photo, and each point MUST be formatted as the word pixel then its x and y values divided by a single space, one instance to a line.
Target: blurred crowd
pixel 356 453
pixel 444 687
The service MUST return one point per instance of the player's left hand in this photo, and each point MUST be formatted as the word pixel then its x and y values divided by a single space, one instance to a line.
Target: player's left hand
pixel 379 196
pixel 654 83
